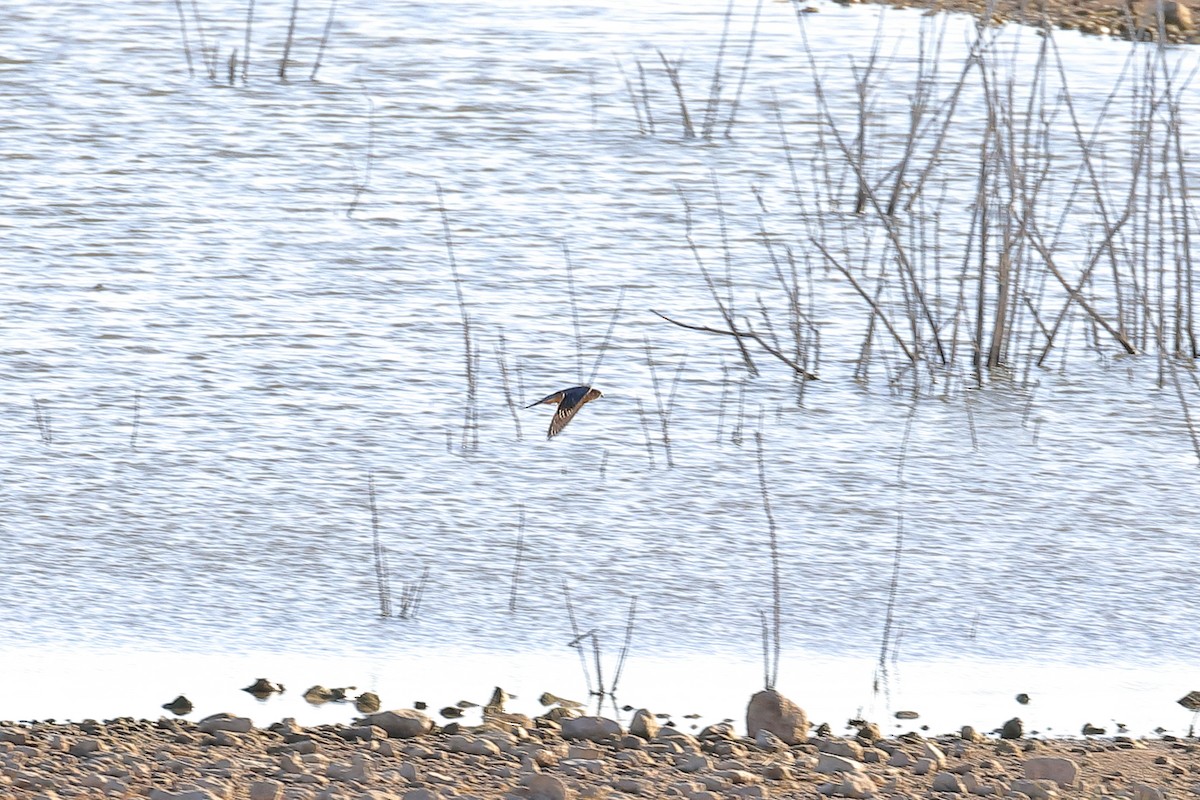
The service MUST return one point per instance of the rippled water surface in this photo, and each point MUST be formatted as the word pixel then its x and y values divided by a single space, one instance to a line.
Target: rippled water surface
pixel 225 306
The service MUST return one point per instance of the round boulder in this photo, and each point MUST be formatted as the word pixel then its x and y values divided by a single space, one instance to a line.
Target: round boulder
pixel 404 723
pixel 770 711
pixel 1013 729
pixel 644 724
pixel 591 729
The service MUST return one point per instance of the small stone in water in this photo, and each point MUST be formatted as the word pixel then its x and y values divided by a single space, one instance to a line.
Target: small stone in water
pixel 1013 729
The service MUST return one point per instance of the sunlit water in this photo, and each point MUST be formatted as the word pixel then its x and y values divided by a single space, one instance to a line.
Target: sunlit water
pixel 205 356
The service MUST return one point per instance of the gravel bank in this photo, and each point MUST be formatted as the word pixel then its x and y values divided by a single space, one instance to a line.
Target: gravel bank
pixel 404 756
pixel 1137 20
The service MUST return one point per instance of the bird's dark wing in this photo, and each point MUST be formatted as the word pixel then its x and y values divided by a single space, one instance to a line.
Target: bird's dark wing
pixel 567 409
pixel 557 397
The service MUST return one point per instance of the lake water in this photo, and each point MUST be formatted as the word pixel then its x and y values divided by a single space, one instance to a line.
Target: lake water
pixel 225 306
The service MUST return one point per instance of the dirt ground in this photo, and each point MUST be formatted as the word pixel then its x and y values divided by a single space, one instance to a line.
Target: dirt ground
pixel 1138 20
pixel 403 756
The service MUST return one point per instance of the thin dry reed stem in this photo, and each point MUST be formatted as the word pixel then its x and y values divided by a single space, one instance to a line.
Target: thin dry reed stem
pixel 137 420
pixel 246 42
pixel 287 42
pixel 516 570
pixel 470 436
pixel 379 552
pixel 324 40
pixel 772 673
pixel 187 47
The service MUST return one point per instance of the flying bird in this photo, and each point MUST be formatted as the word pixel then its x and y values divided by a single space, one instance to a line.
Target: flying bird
pixel 569 402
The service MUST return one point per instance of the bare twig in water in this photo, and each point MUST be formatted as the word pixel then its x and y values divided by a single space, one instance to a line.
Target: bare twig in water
pixel 246 43
pixel 885 641
pixel 749 333
pixel 380 553
pixel 645 96
pixel 210 59
pixel 516 573
pixel 887 323
pixel 737 97
pixel 766 647
pixel 673 74
pixel 287 42
pixel 574 298
pixel 471 412
pixel 187 48
pixel 42 417
pixel 137 419
pixel 663 416
pixel 724 308
pixel 411 595
pixel 362 185
pixel 600 692
pixel 575 637
pixel 714 87
pixel 645 432
pixel 625 646
pixel 502 363
pixel 633 100
pixel 607 337
pixel 324 40
pixel 772 673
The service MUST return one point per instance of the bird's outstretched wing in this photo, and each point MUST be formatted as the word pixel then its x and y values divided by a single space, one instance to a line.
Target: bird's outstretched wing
pixel 557 397
pixel 567 409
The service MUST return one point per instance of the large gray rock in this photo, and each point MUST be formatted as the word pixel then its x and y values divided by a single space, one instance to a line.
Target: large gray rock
pixel 948 782
pixel 1013 729
pixel 546 787
pixel 225 722
pixel 771 711
pixel 979 788
pixel 869 733
pixel 841 747
pixel 404 723
pixel 1035 790
pixel 765 740
pixel 686 742
pixel 828 764
pixel 187 794
pixel 644 724
pixel 1143 791
pixel 266 790
pixel 1062 771
pixel 934 754
pixel 852 786
pixel 1173 13
pixel 473 745
pixel 592 729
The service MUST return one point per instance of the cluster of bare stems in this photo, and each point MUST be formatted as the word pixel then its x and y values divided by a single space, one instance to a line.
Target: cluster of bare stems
pixel 1077 237
pixel 237 66
pixel 411 592
pixel 645 98
pixel 590 640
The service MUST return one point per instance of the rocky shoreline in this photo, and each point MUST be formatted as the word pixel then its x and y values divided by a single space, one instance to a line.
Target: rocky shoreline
pixel 564 755
pixel 1135 21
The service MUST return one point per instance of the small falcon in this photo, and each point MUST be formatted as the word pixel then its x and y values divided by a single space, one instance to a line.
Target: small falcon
pixel 569 402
